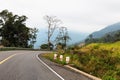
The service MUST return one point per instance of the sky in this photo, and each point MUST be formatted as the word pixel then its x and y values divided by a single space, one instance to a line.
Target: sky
pixel 84 16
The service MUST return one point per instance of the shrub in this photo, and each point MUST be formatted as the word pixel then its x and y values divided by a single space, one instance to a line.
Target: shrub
pixel 44 46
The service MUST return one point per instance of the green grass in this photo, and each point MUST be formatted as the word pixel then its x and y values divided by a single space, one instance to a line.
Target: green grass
pixel 99 59
pixel 14 48
pixel 102 60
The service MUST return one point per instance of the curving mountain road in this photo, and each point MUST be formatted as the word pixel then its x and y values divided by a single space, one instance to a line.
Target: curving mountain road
pixel 25 65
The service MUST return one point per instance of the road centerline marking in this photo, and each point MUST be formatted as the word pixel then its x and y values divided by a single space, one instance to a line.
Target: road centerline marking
pixel 1 62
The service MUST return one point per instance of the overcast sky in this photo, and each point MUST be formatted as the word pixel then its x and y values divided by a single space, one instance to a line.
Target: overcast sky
pixel 79 15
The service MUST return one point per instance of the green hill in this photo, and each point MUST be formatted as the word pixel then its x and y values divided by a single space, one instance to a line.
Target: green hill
pixel 107 29
pixel 107 38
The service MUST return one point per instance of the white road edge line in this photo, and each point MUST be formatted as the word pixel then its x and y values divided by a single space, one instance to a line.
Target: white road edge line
pixel 50 68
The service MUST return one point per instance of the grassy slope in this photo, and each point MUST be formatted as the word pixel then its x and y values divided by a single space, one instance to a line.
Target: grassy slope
pixel 102 60
pixel 99 59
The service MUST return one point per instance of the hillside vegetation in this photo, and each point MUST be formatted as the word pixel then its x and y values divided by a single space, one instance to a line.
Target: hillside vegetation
pixel 107 38
pixel 101 59
pixel 98 59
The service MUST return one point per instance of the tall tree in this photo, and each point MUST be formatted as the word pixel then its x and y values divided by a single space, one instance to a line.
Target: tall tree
pixel 52 24
pixel 14 31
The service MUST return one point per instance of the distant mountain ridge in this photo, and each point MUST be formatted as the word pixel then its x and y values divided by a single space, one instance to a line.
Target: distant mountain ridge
pixel 110 28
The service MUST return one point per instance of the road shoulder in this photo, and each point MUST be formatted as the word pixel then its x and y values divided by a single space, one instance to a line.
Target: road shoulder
pixel 66 73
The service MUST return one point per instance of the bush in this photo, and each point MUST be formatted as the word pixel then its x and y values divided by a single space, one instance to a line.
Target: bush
pixel 44 46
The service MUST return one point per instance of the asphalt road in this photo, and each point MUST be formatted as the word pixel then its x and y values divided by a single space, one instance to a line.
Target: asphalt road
pixel 23 65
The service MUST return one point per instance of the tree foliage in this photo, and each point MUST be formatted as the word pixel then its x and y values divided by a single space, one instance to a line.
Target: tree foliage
pixel 107 38
pixel 13 30
pixel 33 36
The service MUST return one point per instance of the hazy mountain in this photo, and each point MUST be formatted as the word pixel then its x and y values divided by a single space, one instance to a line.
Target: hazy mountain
pixel 108 29
pixel 75 37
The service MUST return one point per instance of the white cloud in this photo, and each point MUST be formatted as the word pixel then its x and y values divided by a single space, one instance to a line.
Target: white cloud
pixel 79 15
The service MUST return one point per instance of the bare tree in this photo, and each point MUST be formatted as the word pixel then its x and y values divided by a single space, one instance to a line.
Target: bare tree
pixel 62 37
pixel 52 24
